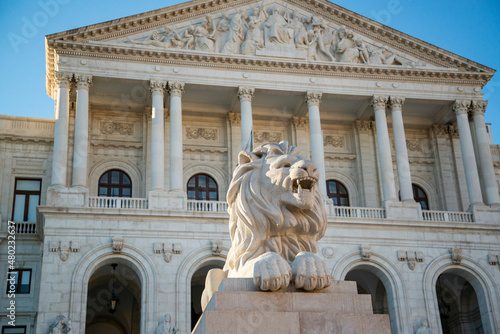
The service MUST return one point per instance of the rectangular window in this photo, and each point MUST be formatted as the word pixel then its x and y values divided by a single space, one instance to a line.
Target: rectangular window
pixel 26 198
pixel 14 330
pixel 19 281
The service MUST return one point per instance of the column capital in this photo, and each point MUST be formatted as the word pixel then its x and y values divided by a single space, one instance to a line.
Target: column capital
pixel 157 86
pixel 300 122
pixel 313 98
pixel 83 81
pixel 234 119
pixel 176 88
pixel 478 107
pixel 245 93
pixel 396 102
pixel 63 79
pixel 461 107
pixel 379 102
pixel 363 126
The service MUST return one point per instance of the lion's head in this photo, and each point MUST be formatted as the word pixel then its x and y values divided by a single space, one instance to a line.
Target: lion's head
pixel 275 205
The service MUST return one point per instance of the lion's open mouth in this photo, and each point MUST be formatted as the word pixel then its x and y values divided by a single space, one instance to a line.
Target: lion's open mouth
pixel 303 184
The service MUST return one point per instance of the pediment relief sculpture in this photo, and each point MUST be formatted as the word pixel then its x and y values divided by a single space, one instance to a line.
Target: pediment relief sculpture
pixel 271 30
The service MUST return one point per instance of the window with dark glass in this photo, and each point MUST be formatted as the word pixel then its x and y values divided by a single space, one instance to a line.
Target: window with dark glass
pixel 19 281
pixel 115 183
pixel 420 196
pixel 337 192
pixel 14 329
pixel 26 198
pixel 202 187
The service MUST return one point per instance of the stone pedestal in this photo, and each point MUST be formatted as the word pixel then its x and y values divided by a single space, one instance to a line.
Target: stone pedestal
pixel 69 197
pixel 409 210
pixel 163 200
pixel 238 307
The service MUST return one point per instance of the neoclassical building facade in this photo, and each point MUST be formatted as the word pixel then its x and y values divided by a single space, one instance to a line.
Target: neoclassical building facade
pixel 118 204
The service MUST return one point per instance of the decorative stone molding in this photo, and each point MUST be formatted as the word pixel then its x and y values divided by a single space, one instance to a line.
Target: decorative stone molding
pixel 196 133
pixel 493 259
pixel 461 106
pixel 176 88
pixel 177 248
pixel 456 255
pixel 366 252
pixel 328 252
pixel 335 141
pixel 267 137
pixel 234 119
pixel 75 246
pixel 379 102
pixel 83 81
pixel 63 79
pixel 117 244
pixel 157 87
pixel 245 93
pixel 411 256
pixel 64 248
pixel 300 122
pixel 168 250
pixel 217 247
pixel 124 129
pixel 478 107
pixel 363 126
pixel 414 145
pixel 396 102
pixel 313 98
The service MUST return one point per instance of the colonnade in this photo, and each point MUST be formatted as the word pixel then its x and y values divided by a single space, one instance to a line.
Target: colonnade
pixel 245 95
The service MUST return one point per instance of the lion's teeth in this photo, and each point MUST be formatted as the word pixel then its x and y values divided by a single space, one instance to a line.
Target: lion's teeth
pixel 300 189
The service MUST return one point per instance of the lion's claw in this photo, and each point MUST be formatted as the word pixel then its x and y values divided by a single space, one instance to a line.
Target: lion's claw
pixel 310 272
pixel 271 272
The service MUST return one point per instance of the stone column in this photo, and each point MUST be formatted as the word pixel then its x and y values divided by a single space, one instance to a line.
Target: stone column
pixel 384 149
pixel 60 150
pixel 313 100
pixel 80 147
pixel 484 153
pixel 157 136
pixel 245 95
pixel 176 90
pixel 402 161
pixel 461 108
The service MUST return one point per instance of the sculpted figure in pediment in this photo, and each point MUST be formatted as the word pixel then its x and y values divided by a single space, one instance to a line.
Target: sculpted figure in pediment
pixel 204 35
pixel 258 16
pixel 154 39
pixel 338 36
pixel 276 28
pixel 347 49
pixel 172 38
pixel 383 56
pixel 222 30
pixel 253 40
pixel 235 34
pixel 188 38
pixel 364 55
pixel 317 45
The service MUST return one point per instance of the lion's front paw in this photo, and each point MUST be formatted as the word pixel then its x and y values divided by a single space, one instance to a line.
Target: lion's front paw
pixel 271 272
pixel 310 272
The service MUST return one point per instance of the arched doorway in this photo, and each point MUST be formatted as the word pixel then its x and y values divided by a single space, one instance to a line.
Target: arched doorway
pixel 114 299
pixel 197 287
pixel 458 304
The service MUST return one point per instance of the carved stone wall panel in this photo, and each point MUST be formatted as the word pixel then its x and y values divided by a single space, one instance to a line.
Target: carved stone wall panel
pixel 262 137
pixel 204 132
pixel 337 140
pixel 122 127
pixel 29 165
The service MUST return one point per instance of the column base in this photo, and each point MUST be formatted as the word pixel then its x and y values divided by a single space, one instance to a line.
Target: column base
pixel 67 196
pixel 409 210
pixel 485 214
pixel 162 200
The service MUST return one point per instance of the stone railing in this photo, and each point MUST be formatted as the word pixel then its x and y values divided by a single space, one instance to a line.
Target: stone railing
pixel 118 202
pixel 26 228
pixel 354 212
pixel 445 216
pixel 207 206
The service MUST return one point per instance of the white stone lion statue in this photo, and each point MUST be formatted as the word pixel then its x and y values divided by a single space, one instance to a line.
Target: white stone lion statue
pixel 277 215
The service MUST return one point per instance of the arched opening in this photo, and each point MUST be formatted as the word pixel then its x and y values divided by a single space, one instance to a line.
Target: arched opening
pixel 197 287
pixel 420 196
pixel 458 304
pixel 114 300
pixel 337 192
pixel 202 187
pixel 115 183
pixel 368 283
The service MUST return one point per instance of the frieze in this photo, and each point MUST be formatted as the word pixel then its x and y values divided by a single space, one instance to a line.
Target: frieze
pixel 335 141
pixel 197 133
pixel 124 129
pixel 267 137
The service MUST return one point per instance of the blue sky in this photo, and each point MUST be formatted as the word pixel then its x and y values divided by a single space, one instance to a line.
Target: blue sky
pixel 468 28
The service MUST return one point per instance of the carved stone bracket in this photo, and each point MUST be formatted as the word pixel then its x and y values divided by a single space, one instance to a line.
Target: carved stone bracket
pixel 64 248
pixel 157 87
pixel 411 256
pixel 168 250
pixel 493 259
pixel 461 106
pixel 217 247
pixel 117 244
pixel 300 122
pixel 234 119
pixel 313 98
pixel 83 81
pixel 478 107
pixel 245 93
pixel 456 255
pixel 176 88
pixel 366 252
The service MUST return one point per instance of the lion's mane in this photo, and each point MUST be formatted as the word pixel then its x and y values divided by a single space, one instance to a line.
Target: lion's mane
pixel 260 223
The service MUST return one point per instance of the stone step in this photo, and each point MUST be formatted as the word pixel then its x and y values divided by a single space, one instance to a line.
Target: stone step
pixel 290 302
pixel 263 322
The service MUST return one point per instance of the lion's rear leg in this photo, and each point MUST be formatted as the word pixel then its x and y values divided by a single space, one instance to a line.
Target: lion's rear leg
pixel 271 272
pixel 310 272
